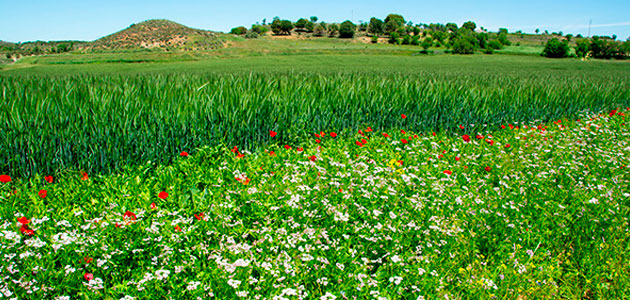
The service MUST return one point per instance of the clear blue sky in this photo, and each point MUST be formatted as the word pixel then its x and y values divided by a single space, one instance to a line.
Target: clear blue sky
pixel 89 20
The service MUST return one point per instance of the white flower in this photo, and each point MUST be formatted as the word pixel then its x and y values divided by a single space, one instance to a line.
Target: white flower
pixel 242 294
pixel 395 259
pixel 593 201
pixel 234 283
pixel 193 285
pixel 395 280
pixel 62 298
pixel 328 296
pixel 162 274
pixel 127 297
pixel 392 215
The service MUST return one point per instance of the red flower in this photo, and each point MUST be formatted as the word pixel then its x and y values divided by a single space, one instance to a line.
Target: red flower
pixel 400 162
pixel 240 155
pixel 448 172
pixel 403 116
pixel 287 147
pixel 129 216
pixel 318 141
pixel 177 228
pixel 332 134
pixel 491 142
pixel 466 138
pixel 43 193
pixel 359 143
pixel 385 135
pixel 272 153
pixel 49 179
pixel 25 231
pixel 5 178
pixel 502 126
pixel 507 145
pixel 403 141
pixel 234 150
pixel 434 133
pixel 88 276
pixel 363 141
pixel 183 154
pixel 612 113
pixel 163 195
pixel 479 137
pixel 272 133
pixel 488 169
pixel 369 129
pixel 87 259
pixel 361 132
pixel 300 149
pixel 322 134
pixel 153 206
pixel 312 158
pixel 84 176
pixel 23 220
pixel 403 132
pixel 199 216
pixel 457 158
pixel 461 126
pixel 317 135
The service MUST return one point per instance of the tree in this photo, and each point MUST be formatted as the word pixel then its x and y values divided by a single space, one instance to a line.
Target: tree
pixel 301 23
pixel 281 26
pixel 416 30
pixel 581 47
pixel 319 30
pixel 393 22
pixel 494 45
pixel 503 30
pixel 239 30
pixel 556 49
pixel 376 26
pixel 470 25
pixel 333 29
pixel 426 44
pixel 259 29
pixel 452 27
pixel 569 37
pixel 537 30
pixel 394 38
pixel 463 46
pixel 347 29
pixel 314 19
pixel 502 37
pixel 601 48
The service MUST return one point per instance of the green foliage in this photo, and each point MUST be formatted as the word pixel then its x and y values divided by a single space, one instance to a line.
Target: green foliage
pixel 556 49
pixel 426 44
pixel 463 46
pixel 601 48
pixel 406 40
pixel 393 23
pixel 281 26
pixel 239 30
pixel 319 30
pixel 376 26
pixel 494 45
pixel 502 37
pixel 451 27
pixel 314 19
pixel 374 39
pixel 347 29
pixel 301 23
pixel 394 38
pixel 582 47
pixel 259 29
pixel 333 29
pixel 469 25
pixel 503 30
pixel 251 35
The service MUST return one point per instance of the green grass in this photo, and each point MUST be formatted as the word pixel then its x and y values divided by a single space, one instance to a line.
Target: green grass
pixel 107 116
pixel 536 212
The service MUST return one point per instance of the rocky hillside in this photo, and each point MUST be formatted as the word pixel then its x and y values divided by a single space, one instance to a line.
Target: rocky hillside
pixel 162 34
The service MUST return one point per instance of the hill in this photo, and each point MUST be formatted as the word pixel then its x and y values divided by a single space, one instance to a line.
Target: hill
pixel 162 34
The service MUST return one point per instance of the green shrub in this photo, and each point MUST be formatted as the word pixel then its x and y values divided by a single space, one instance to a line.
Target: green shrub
pixel 251 35
pixel 347 29
pixel 463 46
pixel 374 39
pixel 239 30
pixel 494 45
pixel 556 49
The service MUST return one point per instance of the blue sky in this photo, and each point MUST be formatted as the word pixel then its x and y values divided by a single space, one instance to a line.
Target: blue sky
pixel 89 20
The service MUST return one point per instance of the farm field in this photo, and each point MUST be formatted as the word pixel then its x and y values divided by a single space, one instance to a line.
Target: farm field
pixel 339 174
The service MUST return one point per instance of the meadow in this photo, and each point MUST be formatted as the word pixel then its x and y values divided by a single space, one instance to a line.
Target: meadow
pixel 351 175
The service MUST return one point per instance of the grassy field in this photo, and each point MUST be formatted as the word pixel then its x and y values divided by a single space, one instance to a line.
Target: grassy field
pixel 313 172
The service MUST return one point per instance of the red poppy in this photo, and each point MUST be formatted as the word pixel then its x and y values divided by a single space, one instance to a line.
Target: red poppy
pixel 23 220
pixel 300 149
pixel 461 126
pixel 403 141
pixel 612 113
pixel 322 134
pixel 491 142
pixel 359 143
pixel 363 141
pixel 272 133
pixel 183 154
pixel 272 153
pixel 385 135
pixel 318 141
pixel 312 158
pixel 479 137
pixel 88 259
pixel 84 176
pixel 361 132
pixel 163 195
pixel 400 162
pixel 25 231
pixel 88 276
pixel 332 134
pixel 434 134
pixel 507 145
pixel 199 216
pixel 502 126
pixel 488 169
pixel 466 138
pixel 317 135
pixel 240 155
pixel 448 172
pixel 177 228
pixel 153 206
pixel 457 158
pixel 43 193
pixel 369 129
pixel 5 178
pixel 287 147
pixel 49 179
pixel 234 150
pixel 403 132
pixel 403 116
pixel 129 216
pixel 246 181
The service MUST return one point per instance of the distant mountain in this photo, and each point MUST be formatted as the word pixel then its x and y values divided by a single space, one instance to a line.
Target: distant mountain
pixel 162 34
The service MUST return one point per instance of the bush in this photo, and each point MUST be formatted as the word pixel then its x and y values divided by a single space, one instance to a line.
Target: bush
pixel 406 40
pixel 281 26
pixel 394 38
pixel 347 29
pixel 494 45
pixel 320 30
pixel 239 30
pixel 581 48
pixel 251 35
pixel 463 46
pixel 374 39
pixel 333 29
pixel 259 29
pixel 556 49
pixel 600 48
pixel 376 26
pixel 503 39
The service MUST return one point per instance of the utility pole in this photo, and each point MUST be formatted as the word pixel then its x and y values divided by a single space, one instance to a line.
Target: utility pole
pixel 589 27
